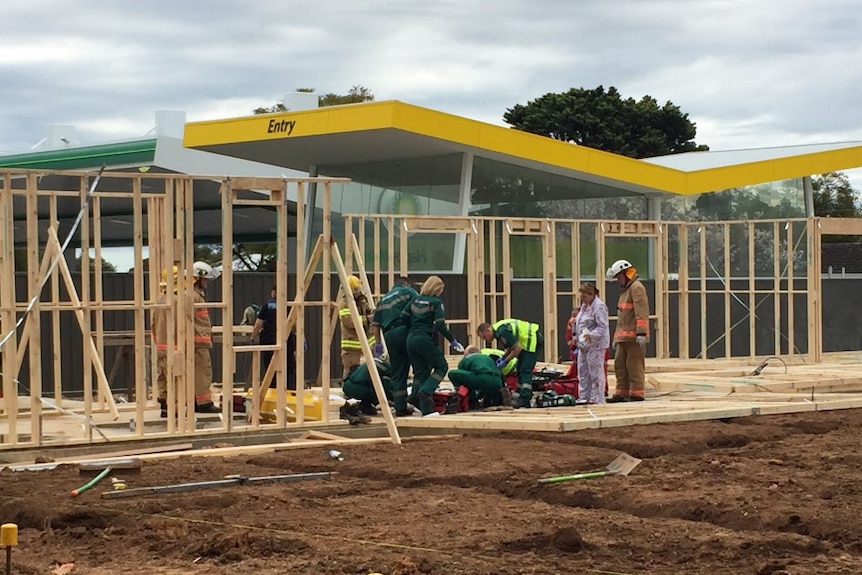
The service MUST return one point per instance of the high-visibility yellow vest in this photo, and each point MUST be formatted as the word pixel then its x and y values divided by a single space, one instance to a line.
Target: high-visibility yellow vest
pixel 497 354
pixel 526 332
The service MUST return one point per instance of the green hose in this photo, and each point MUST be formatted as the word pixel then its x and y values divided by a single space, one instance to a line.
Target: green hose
pixel 91 483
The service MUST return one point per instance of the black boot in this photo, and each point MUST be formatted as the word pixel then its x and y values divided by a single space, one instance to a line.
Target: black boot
pixel 618 399
pixel 163 404
pixel 206 407
pixel 367 408
pixel 635 398
pixel 346 412
pixel 426 403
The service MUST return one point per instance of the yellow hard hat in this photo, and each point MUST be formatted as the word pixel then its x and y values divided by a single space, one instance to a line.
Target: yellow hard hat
pixel 354 282
pixel 164 281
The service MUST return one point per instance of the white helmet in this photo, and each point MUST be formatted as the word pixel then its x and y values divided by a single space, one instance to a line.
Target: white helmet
pixel 617 267
pixel 202 270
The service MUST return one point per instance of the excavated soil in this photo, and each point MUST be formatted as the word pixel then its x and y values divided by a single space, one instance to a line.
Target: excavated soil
pixel 772 495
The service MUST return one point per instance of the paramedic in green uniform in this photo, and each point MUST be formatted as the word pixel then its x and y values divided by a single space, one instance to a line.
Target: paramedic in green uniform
pixel 479 373
pixel 426 315
pixel 358 385
pixel 523 341
pixel 387 318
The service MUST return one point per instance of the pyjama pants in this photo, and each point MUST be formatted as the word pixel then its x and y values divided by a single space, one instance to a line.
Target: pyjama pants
pixel 629 369
pixel 591 375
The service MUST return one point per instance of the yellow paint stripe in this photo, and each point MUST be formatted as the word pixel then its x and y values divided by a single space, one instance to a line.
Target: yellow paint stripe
pixel 514 143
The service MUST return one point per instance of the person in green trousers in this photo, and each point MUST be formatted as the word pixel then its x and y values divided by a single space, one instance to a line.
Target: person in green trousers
pixel 479 373
pixel 427 316
pixel 388 319
pixel 359 386
pixel 523 340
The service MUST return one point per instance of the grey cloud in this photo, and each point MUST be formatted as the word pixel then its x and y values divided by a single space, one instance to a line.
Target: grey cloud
pixel 742 70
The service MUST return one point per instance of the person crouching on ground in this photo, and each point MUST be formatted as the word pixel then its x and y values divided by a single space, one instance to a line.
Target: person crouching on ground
pixel 479 373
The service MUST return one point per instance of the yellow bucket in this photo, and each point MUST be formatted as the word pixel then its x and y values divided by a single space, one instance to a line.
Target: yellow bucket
pixel 313 405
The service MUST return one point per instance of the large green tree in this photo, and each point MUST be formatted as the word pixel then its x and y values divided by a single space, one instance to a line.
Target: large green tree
pixel 834 197
pixel 604 120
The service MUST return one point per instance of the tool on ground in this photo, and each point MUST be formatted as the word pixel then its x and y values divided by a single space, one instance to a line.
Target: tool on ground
pixel 622 465
pixel 200 485
pixel 91 483
pixel 335 454
pixel 9 539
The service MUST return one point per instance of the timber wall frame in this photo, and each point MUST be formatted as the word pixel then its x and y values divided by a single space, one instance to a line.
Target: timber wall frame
pixel 163 223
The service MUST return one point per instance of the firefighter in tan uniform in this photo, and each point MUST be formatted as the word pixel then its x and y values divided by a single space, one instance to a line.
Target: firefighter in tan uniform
pixel 159 332
pixel 631 335
pixel 203 273
pixel 351 350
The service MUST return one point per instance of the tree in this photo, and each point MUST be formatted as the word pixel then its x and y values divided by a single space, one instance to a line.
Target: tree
pixel 262 256
pixel 834 197
pixel 605 121
pixel 355 95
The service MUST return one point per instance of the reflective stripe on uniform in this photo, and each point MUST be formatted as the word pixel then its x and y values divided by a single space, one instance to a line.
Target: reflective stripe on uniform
pixel 355 344
pixel 526 332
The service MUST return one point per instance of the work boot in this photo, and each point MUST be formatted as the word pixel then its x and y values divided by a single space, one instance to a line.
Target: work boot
pixel 507 397
pixel 618 399
pixel 362 418
pixel 163 404
pixel 406 412
pixel 346 412
pixel 426 403
pixel 635 398
pixel 519 402
pixel 206 407
pixel 367 408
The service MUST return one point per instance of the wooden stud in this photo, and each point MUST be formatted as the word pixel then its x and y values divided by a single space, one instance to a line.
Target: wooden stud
pixel 777 275
pixel 34 323
pixel 366 347
pixel 300 297
pixel 140 328
pixel 96 203
pixel 791 253
pixel 704 341
pixel 326 296
pixel 752 273
pixel 727 327
pixel 228 357
pixel 85 300
pixel 279 359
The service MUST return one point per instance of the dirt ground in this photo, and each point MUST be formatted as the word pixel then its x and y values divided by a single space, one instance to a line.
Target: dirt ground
pixel 770 495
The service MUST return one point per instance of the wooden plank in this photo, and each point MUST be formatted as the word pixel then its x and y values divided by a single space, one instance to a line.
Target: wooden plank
pixel 89 345
pixel 99 294
pixel 840 226
pixel 228 357
pixel 34 323
pixel 776 279
pixel 301 289
pixel 140 327
pixel 326 344
pixel 366 350
pixel 727 323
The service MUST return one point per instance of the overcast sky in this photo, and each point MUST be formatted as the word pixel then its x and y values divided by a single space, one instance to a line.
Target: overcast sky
pixel 750 73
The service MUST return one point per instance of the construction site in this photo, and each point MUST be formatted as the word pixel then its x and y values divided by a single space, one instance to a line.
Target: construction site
pixel 742 459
